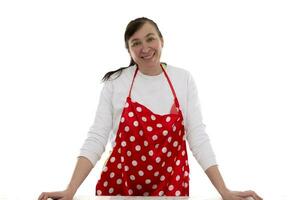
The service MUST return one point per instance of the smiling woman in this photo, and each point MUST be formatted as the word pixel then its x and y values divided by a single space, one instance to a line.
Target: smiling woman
pixel 152 109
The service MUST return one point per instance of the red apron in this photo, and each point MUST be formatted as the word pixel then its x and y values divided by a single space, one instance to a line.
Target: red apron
pixel 149 157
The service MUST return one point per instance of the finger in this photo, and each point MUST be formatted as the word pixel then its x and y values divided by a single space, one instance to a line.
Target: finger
pixel 257 197
pixel 41 196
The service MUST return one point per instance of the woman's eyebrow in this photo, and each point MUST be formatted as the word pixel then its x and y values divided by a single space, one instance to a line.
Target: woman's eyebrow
pixel 135 39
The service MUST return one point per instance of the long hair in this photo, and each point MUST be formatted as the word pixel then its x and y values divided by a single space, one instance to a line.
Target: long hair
pixel 132 27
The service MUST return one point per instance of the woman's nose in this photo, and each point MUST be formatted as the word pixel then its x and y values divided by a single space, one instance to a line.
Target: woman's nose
pixel 145 48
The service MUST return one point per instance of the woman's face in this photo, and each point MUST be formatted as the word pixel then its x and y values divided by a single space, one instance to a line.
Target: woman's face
pixel 145 47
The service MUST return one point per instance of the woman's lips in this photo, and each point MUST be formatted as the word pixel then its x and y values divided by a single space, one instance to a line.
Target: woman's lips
pixel 148 57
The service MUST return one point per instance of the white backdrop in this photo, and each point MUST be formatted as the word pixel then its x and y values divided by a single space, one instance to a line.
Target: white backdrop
pixel 53 55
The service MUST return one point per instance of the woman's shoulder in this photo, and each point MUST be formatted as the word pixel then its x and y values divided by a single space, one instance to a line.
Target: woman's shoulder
pixel 178 72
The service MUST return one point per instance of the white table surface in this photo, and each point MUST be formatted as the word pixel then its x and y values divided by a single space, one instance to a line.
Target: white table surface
pixel 140 198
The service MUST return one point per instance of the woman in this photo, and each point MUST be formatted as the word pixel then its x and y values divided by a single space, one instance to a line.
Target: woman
pixel 152 109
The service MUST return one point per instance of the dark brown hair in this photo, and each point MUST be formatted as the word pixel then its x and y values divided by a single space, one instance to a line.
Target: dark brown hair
pixel 132 27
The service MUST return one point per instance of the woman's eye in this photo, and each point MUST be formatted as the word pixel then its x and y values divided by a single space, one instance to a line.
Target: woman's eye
pixel 135 44
pixel 150 39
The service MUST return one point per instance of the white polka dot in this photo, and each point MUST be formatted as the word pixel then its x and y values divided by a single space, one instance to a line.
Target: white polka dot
pixel 127 105
pixel 130 191
pixel 112 174
pixel 154 137
pixel 136 123
pixel 146 194
pixel 124 144
pixel 120 135
pixel 139 187
pixel 139 109
pixel 127 128
pixel 156 173
pixel 175 144
pixel 104 169
pixel 119 181
pixel 177 178
pixel 132 138
pixel 169 139
pixel 161 193
pixel 126 168
pixel 179 133
pixel 158 159
pixel 150 153
pixel 119 166
pixel 167 119
pixel 162 178
pixel 168 154
pixel 149 167
pixel 184 137
pixel 162 165
pixel 147 181
pixel 173 128
pixel 153 117
pixel 129 153
pixel 165 132
pixel 164 150
pixel 158 125
pixel 154 186
pixel 179 147
pixel 105 184
pixel 177 193
pixel 141 173
pixel 131 114
pixel 138 147
pixel 122 119
pixel 119 150
pixel 144 119
pixel 186 173
pixel 134 163
pixel 185 185
pixel 145 143
pixel 177 162
pixel 170 188
pixel 169 169
pixel 183 153
pixel 149 128
pixel 112 159
pixel 143 158
pixel 141 133
pixel 132 177
pixel 98 192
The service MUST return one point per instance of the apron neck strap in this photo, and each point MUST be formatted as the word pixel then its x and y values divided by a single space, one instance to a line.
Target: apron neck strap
pixel 168 80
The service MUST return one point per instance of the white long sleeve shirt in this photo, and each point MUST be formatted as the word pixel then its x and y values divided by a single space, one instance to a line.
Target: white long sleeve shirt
pixel 154 92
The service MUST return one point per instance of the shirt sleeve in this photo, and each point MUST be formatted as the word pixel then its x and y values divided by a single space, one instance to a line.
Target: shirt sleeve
pixel 98 134
pixel 197 137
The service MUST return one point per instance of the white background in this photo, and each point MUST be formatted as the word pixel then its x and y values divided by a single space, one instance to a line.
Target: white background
pixel 53 55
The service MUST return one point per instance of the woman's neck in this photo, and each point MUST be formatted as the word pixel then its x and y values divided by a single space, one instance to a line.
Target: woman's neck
pixel 150 71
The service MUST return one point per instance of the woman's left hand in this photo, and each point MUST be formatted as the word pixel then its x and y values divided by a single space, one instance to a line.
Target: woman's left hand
pixel 241 195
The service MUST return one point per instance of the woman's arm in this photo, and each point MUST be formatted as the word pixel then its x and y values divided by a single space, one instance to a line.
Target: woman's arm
pixel 215 177
pixel 82 169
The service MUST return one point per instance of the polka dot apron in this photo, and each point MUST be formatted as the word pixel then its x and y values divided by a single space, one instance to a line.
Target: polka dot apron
pixel 149 157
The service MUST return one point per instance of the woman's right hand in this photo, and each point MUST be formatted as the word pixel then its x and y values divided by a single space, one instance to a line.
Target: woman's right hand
pixel 58 195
